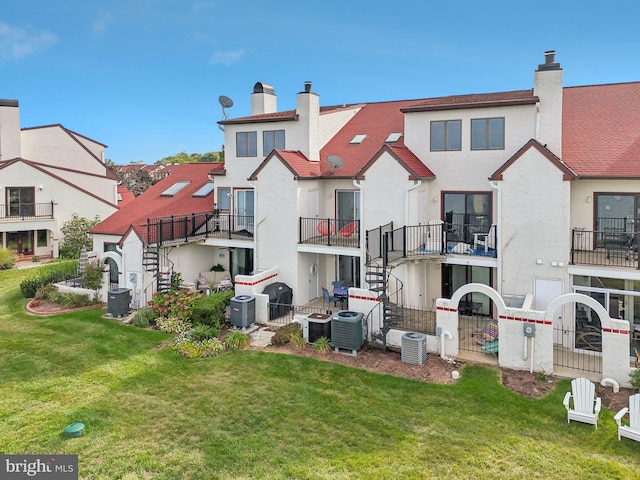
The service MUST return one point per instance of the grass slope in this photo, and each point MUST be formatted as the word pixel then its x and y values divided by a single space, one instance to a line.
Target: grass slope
pixel 151 414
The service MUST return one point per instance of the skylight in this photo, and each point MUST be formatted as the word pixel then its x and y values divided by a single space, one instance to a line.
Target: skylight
pixel 393 137
pixel 175 188
pixel 204 190
pixel 357 139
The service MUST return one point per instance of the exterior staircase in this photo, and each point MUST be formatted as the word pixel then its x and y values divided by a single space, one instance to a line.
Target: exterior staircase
pixel 377 277
pixel 159 266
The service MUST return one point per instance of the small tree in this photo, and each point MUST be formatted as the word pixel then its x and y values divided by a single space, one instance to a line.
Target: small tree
pixel 76 234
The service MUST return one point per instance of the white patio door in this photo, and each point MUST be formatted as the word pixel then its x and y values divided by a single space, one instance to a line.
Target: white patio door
pixel 244 210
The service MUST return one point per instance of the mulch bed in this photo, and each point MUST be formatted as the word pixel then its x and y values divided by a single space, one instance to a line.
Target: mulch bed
pixel 47 307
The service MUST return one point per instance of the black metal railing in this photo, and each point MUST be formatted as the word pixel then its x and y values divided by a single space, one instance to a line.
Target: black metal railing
pixel 26 211
pixel 436 238
pixel 329 231
pixel 610 248
pixel 193 226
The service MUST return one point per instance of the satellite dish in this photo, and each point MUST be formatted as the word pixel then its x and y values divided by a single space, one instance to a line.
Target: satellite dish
pixel 334 161
pixel 225 102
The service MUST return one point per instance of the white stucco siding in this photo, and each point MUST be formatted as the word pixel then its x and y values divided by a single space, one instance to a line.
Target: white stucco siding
pixel 191 259
pixel 466 169
pixel 277 222
pixel 548 88
pixel 534 223
pixel 103 187
pixel 9 133
pixel 331 123
pixel 52 145
pixel 384 189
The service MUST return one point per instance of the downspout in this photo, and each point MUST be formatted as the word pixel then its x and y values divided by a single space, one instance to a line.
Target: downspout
pixel 495 186
pixel 537 137
pixel 255 228
pixel 362 246
pixel 406 200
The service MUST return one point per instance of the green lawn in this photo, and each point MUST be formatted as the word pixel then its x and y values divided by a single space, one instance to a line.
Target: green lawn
pixel 151 414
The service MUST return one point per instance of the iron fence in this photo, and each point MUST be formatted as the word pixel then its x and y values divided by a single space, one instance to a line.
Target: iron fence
pixel 611 248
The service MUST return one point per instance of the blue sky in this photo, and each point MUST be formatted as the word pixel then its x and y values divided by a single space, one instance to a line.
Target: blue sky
pixel 144 76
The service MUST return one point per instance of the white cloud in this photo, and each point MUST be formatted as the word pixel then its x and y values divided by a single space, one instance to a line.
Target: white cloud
pixel 17 42
pixel 226 58
pixel 100 25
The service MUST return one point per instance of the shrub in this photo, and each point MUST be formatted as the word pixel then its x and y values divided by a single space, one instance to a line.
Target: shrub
pixel 210 310
pixel 7 259
pixel 283 334
pixel 45 290
pixel 323 345
pixel 297 339
pixel 635 379
pixel 174 303
pixel 93 275
pixel 172 324
pixel 143 317
pixel 236 340
pixel 186 346
pixel 29 286
pixel 204 332
pixel 69 299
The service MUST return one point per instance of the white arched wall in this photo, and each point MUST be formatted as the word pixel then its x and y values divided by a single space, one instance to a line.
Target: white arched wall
pixel 536 354
pixel 615 336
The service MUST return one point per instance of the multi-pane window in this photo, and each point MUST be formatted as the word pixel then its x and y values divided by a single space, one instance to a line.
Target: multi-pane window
pixel 487 133
pixel 446 135
pixel 247 144
pixel 43 238
pixel 21 201
pixel 272 139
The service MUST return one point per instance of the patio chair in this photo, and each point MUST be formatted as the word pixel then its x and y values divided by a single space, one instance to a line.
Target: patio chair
pixel 488 240
pixel 348 229
pixel 586 406
pixel 327 298
pixel 325 227
pixel 632 430
pixel 435 236
pixel 489 340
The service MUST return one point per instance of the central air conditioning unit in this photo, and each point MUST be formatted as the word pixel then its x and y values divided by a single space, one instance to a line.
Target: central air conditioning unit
pixel 315 326
pixel 346 330
pixel 118 301
pixel 414 348
pixel 242 311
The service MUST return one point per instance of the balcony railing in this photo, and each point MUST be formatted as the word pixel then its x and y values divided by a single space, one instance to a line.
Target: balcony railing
pixel 608 248
pixel 193 226
pixel 329 231
pixel 26 211
pixel 435 238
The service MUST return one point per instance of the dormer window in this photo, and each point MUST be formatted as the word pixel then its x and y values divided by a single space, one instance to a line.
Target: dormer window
pixel 357 139
pixel 205 190
pixel 175 188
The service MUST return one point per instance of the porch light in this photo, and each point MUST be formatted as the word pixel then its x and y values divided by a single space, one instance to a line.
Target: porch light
pixel 589 199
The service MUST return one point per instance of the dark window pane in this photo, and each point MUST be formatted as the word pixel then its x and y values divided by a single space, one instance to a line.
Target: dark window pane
pixel 478 134
pixel 437 136
pixel 496 133
pixel 454 135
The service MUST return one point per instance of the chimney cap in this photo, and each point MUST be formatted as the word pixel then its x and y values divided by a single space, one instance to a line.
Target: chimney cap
pixel 549 61
pixel 307 86
pixel 261 87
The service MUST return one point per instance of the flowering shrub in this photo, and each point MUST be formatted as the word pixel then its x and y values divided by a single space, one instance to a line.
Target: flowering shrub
pixel 172 324
pixel 186 346
pixel 174 303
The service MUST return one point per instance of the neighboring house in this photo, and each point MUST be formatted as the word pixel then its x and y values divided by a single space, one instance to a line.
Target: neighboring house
pixel 47 174
pixel 167 229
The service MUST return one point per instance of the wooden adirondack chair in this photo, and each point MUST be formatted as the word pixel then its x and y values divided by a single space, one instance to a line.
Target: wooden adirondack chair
pixel 631 431
pixel 586 406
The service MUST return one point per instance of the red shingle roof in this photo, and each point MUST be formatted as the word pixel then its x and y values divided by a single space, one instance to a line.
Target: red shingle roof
pixel 476 100
pixel 601 130
pixel 152 204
